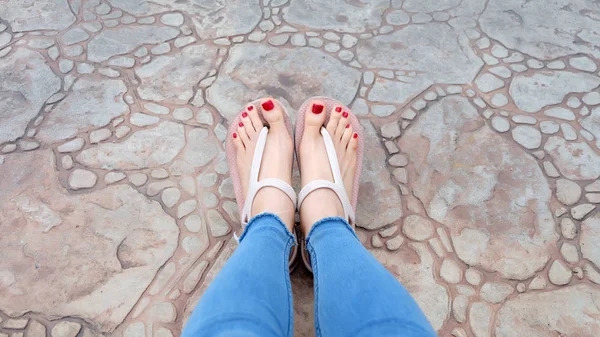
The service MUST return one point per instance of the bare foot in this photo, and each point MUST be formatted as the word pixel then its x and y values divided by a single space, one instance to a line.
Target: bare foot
pixel 314 163
pixel 276 162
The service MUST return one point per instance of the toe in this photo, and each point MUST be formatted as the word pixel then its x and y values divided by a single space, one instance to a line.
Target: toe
pixel 241 130
pixel 271 111
pixel 352 144
pixel 346 136
pixel 237 142
pixel 343 122
pixel 252 117
pixel 334 118
pixel 249 128
pixel 314 117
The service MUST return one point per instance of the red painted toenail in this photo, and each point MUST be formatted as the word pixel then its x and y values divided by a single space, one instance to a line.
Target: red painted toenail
pixel 355 135
pixel 244 115
pixel 317 108
pixel 345 114
pixel 338 109
pixel 250 108
pixel 347 126
pixel 268 105
pixel 241 124
pixel 234 135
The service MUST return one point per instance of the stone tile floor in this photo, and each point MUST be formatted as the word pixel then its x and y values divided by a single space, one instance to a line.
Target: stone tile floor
pixel 480 190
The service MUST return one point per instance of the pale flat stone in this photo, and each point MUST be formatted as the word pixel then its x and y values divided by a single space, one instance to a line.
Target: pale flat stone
pixel 391 130
pixel 532 93
pixel 35 329
pixel 569 252
pixel 488 82
pixel 97 136
pixel 568 228
pixel 37 15
pixel 559 273
pixel 500 124
pixel 65 329
pixel 592 98
pixel 141 119
pixel 583 63
pixel 567 192
pixel 216 223
pixel 526 27
pixel 80 179
pixel 397 17
pixel 592 124
pixel 590 239
pixel 75 35
pixel 292 71
pixel 560 113
pixel 557 65
pixel 351 17
pixel 549 127
pixel 143 149
pixel 449 175
pixel 459 308
pixel 123 40
pixel 473 276
pixel 170 196
pixel 499 100
pixel 565 311
pixel 576 161
pixel 92 103
pixel 26 82
pixel 172 19
pixel 418 279
pixel 186 208
pixel 211 20
pixel 496 292
pixel 480 318
pixel 459 67
pixel 527 136
pixel 450 271
pixel 113 177
pixel 417 228
pixel 183 114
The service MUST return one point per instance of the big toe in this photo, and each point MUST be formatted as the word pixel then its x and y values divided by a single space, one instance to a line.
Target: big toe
pixel 271 111
pixel 315 116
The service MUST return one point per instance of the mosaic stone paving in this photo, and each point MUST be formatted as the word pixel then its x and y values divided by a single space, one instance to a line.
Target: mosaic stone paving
pixel 480 191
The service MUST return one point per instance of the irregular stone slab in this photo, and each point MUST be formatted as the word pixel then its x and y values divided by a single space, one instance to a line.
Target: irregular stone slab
pixel 496 292
pixel 567 192
pixel 533 92
pixel 200 150
pixel 91 103
pixel 25 16
pixel 172 78
pixel 429 5
pixel 80 179
pixel 523 25
pixel 144 149
pixel 527 136
pixel 213 19
pixel 486 190
pixel 376 183
pixel 26 82
pixel 569 311
pixel 592 124
pixel 417 48
pixel 341 16
pixel 480 319
pixel 576 161
pixel 122 40
pixel 413 266
pixel 590 239
pixel 118 236
pixel 254 70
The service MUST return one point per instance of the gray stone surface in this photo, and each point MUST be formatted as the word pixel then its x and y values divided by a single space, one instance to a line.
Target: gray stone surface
pixel 466 182
pixel 91 103
pixel 36 15
pixel 532 93
pixel 26 82
pixel 172 78
pixel 123 40
pixel 576 161
pixel 254 70
pixel 523 25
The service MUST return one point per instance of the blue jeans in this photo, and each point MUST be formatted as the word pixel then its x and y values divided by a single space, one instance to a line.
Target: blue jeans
pixel 354 294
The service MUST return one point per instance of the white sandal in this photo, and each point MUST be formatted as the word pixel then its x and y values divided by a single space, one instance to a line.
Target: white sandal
pixel 245 204
pixel 337 186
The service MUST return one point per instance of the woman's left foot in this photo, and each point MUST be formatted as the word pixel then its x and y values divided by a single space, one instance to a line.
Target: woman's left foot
pixel 276 162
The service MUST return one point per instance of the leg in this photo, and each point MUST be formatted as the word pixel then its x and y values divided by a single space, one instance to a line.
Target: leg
pixel 252 294
pixel 354 294
pixel 354 291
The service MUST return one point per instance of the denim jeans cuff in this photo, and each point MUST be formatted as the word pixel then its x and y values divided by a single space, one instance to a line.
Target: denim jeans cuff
pixel 256 219
pixel 320 223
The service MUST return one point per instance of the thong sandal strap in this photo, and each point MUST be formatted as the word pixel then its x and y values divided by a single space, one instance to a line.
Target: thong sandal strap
pixel 337 186
pixel 254 185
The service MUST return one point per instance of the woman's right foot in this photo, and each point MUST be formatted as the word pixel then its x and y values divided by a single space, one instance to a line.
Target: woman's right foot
pixel 314 162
